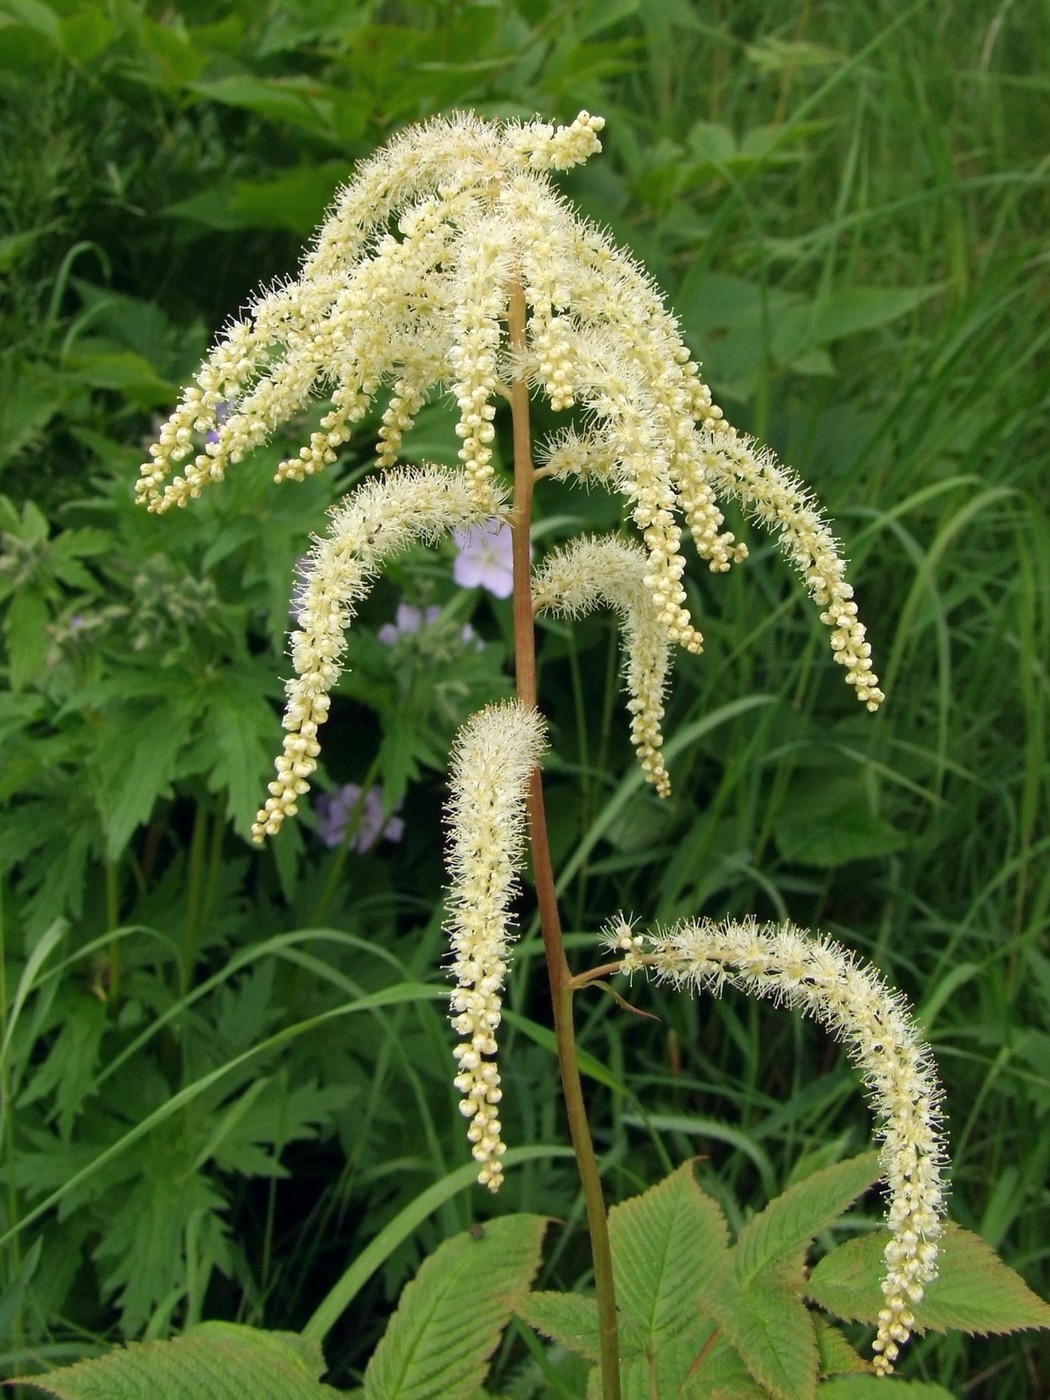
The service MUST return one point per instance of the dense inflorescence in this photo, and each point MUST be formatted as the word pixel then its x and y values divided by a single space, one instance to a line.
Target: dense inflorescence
pixel 821 979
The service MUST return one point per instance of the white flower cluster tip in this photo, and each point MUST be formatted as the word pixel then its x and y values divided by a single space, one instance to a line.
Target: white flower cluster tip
pixel 494 754
pixel 825 981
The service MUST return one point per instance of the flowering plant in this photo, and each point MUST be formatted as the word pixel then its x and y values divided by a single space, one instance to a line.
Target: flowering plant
pixel 452 265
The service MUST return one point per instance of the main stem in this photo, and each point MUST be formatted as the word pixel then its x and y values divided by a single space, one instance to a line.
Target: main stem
pixel 558 970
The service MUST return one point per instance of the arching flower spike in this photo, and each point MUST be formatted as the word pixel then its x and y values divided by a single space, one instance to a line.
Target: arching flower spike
pixel 823 980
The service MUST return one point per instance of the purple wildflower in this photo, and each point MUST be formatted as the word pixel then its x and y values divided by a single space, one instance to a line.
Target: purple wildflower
pixel 410 621
pixel 407 621
pixel 334 814
pixel 485 558
pixel 222 412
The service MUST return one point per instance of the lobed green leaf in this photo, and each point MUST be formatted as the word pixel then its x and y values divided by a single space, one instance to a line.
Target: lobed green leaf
pixel 771 1328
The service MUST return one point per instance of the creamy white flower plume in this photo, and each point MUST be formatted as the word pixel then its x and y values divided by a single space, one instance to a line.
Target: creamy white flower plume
pixel 576 579
pixel 384 515
pixel 368 305
pixel 823 980
pixel 409 287
pixel 492 758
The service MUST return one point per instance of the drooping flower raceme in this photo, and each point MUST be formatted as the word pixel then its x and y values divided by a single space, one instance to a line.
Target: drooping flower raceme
pixel 493 755
pixel 590 571
pixel 387 514
pixel 821 979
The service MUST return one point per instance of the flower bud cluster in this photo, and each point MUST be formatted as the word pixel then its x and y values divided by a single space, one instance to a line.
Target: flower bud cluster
pixel 480 305
pixel 493 756
pixel 823 980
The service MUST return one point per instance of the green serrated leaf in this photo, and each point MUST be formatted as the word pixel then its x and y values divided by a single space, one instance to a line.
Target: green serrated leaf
pixel 27 639
pixel 236 747
pixel 771 1328
pixel 297 100
pixel 14 1291
pixel 847 310
pixel 35 14
pixel 296 200
pixel 975 1291
pixel 29 399
pixel 827 820
pixel 697 1364
pixel 269 1115
pixel 451 1316
pixel 788 1223
pixel 711 143
pixel 848 1282
pixel 837 1356
pixel 238 1363
pixel 565 1318
pixel 137 760
pixel 572 1321
pixel 86 34
pixel 721 1376
pixel 662 1242
pixel 158 1204
pixel 100 365
pixel 69 1067
pixel 879 1388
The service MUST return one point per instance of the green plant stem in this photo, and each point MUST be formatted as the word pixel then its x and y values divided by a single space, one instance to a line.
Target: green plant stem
pixel 112 920
pixel 7 1122
pixel 195 897
pixel 558 970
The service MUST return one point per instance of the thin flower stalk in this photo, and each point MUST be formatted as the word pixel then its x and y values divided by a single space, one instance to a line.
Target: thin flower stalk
pixel 492 759
pixel 821 979
pixel 558 972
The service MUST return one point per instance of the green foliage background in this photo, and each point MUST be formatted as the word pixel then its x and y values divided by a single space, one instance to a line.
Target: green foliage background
pixel 847 207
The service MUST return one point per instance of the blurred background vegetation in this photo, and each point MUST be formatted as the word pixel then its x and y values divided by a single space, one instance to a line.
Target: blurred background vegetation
pixel 846 205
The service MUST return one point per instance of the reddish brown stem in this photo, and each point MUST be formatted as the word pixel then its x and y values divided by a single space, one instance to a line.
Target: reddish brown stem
pixel 558 971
